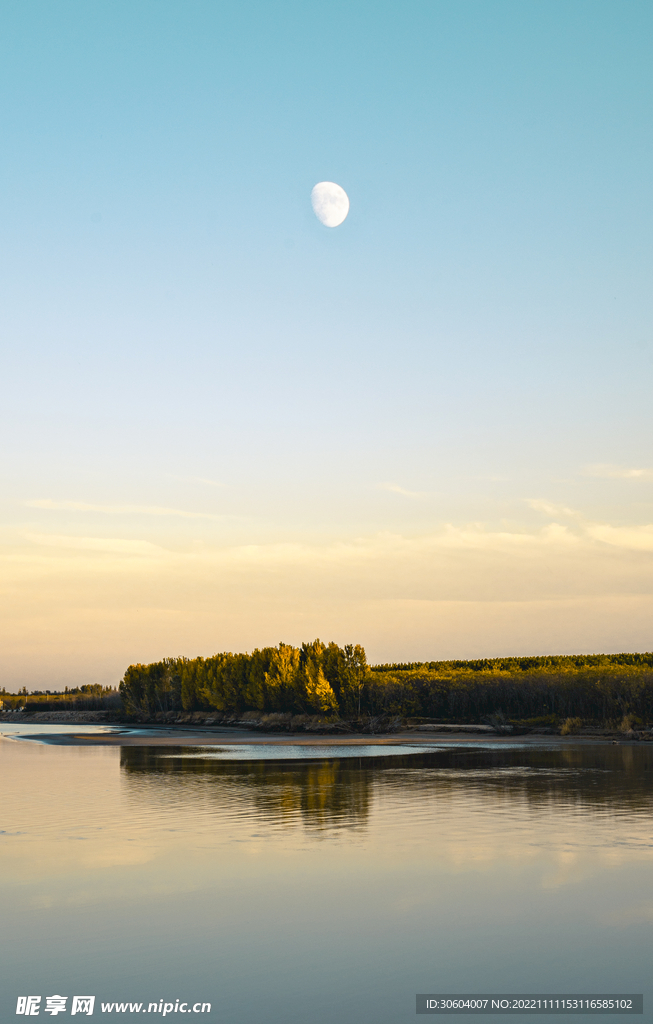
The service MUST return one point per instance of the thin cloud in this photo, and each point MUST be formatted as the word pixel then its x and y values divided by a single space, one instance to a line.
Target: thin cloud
pixel 610 472
pixel 106 545
pixel 381 547
pixel 579 536
pixel 396 489
pixel 377 548
pixel 632 538
pixel 550 509
pixel 119 510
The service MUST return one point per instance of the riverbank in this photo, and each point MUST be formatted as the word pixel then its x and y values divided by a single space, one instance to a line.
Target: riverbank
pixel 253 726
pixel 93 733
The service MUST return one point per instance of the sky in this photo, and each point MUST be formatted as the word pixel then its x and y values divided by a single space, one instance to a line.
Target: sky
pixel 225 425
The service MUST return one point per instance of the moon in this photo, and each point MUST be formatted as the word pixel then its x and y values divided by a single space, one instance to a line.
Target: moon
pixel 330 203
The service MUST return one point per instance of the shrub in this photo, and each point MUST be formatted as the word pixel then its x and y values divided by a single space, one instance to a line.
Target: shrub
pixel 571 726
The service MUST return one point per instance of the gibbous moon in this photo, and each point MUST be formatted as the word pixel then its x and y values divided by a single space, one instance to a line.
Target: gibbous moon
pixel 330 203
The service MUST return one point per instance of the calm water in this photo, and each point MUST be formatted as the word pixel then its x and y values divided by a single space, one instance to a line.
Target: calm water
pixel 326 889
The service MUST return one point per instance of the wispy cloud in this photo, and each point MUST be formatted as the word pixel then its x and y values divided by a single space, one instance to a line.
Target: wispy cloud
pixel 579 537
pixel 119 510
pixel 638 537
pixel 367 550
pixel 608 471
pixel 105 545
pixel 396 489
pixel 635 538
pixel 550 509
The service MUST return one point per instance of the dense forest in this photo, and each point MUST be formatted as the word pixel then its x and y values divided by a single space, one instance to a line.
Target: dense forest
pixel 314 679
pixel 336 682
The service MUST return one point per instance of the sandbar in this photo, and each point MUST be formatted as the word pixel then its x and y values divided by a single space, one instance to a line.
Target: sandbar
pixel 162 736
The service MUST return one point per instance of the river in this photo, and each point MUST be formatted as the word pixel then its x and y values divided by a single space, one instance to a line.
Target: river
pixel 312 886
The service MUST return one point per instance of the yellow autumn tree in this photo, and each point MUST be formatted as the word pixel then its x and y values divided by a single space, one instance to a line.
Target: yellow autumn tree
pixel 280 681
pixel 319 695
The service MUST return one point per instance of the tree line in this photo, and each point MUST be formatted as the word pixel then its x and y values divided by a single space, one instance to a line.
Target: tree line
pixel 314 679
pixel 547 662
pixel 88 697
pixel 595 694
pixel 336 682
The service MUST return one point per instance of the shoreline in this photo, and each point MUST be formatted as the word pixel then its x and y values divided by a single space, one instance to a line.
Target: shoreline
pixel 127 735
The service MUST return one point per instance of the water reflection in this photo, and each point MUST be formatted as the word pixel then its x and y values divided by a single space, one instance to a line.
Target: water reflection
pixel 325 793
pixel 601 776
pixel 341 883
pixel 338 792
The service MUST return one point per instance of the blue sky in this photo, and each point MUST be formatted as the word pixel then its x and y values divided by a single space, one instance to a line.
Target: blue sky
pixel 224 424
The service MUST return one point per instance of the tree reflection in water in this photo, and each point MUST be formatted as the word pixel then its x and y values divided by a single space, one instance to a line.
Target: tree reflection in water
pixel 328 793
pixel 337 793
